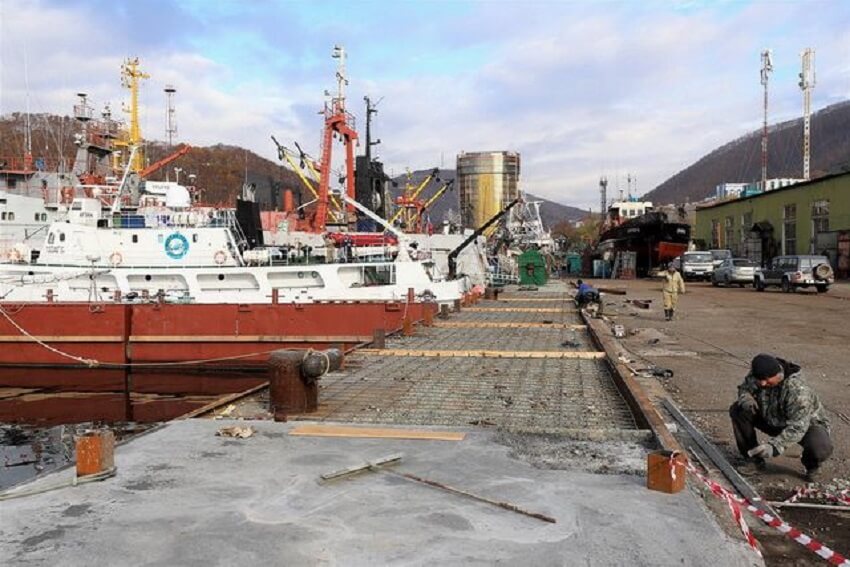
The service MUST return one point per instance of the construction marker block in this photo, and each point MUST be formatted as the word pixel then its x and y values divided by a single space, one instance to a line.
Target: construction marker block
pixel 665 471
pixel 95 452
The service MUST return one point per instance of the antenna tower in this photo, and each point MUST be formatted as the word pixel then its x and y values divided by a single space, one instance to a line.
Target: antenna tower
pixel 766 70
pixel 807 83
pixel 170 122
pixel 603 196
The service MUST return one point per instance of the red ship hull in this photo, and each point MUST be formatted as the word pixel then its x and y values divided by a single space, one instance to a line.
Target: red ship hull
pixel 139 335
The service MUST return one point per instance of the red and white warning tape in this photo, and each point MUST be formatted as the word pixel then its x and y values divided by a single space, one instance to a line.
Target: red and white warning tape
pixel 842 496
pixel 735 502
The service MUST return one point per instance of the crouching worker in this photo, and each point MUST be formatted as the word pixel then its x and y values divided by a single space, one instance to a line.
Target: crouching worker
pixel 586 294
pixel 776 400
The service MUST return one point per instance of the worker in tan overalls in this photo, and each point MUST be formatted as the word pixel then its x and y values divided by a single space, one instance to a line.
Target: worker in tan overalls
pixel 672 286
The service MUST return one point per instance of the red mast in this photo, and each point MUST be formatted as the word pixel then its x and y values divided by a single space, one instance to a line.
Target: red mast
pixel 337 121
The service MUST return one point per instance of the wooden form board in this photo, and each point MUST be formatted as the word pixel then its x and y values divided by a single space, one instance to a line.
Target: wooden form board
pixel 506 325
pixel 517 310
pixel 375 432
pixel 536 299
pixel 483 353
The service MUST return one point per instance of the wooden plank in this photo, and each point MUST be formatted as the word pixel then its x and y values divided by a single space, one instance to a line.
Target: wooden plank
pixel 517 310
pixel 223 400
pixel 250 338
pixel 741 485
pixel 535 299
pixel 506 325
pixel 62 338
pixel 375 433
pixel 483 353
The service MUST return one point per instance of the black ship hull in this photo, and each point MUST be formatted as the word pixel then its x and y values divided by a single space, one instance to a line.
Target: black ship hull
pixel 653 239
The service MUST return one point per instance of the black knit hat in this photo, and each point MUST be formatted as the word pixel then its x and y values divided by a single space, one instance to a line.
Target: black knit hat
pixel 765 366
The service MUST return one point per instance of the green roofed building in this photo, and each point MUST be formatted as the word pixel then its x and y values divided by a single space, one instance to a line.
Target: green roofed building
pixel 811 217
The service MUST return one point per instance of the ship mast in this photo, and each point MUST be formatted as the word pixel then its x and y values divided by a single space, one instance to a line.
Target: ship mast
pixel 130 77
pixel 337 122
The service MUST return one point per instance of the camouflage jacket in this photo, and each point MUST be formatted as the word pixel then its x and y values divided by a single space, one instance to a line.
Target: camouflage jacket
pixel 672 283
pixel 792 406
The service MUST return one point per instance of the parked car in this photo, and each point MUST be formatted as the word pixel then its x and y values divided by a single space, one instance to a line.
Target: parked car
pixel 792 272
pixel 697 265
pixel 718 256
pixel 734 271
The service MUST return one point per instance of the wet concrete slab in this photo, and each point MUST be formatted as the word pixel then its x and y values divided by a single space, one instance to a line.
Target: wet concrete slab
pixel 184 496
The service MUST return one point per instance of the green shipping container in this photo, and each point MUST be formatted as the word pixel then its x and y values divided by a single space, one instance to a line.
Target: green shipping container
pixel 532 268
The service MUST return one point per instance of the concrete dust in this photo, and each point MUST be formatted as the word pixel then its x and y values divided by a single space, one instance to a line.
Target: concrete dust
pixel 557 453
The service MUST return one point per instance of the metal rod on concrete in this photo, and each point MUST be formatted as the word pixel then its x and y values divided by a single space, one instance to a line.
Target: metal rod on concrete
pixel 500 504
pixel 812 505
pixel 741 485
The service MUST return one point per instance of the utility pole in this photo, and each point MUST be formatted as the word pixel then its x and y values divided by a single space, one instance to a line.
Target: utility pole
pixel 766 70
pixel 807 83
pixel 603 198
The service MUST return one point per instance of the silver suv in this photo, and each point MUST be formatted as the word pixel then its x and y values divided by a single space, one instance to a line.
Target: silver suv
pixel 697 265
pixel 791 272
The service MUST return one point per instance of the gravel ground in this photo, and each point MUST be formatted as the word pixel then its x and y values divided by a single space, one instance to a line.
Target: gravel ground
pixel 709 346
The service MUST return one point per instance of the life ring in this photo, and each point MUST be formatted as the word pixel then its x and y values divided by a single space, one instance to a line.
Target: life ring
pixel 116 258
pixel 220 257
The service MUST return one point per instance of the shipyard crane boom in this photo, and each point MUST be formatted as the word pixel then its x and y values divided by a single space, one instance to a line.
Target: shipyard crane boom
pixel 154 167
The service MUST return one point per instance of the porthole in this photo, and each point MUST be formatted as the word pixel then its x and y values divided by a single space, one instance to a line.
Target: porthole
pixel 148 278
pixel 221 277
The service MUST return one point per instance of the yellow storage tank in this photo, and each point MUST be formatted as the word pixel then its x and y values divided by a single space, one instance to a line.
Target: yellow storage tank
pixel 488 182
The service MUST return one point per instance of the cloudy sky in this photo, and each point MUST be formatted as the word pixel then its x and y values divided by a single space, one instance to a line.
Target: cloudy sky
pixel 578 88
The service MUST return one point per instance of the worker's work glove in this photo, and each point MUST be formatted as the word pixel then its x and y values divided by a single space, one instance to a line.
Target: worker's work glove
pixel 748 404
pixel 763 451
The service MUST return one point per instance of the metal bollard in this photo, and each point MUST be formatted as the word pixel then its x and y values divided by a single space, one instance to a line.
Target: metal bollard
pixel 444 311
pixel 379 338
pixel 95 452
pixel 294 380
pixel 427 315
pixel 407 327
pixel 457 305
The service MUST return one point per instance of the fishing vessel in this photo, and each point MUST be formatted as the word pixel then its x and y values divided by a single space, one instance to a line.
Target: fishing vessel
pixel 634 226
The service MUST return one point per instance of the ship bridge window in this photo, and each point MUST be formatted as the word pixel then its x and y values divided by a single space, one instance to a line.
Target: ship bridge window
pixel 3 216
pixel 11 215
pixel 135 238
pixel 61 237
pixel 379 275
pixel 51 238
pixel 195 237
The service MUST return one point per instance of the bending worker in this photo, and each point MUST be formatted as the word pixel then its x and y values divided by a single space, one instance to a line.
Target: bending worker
pixel 672 286
pixel 585 294
pixel 776 400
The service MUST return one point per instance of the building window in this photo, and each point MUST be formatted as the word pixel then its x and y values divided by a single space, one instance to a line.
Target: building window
pixel 820 219
pixel 715 233
pixel 729 232
pixel 789 229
